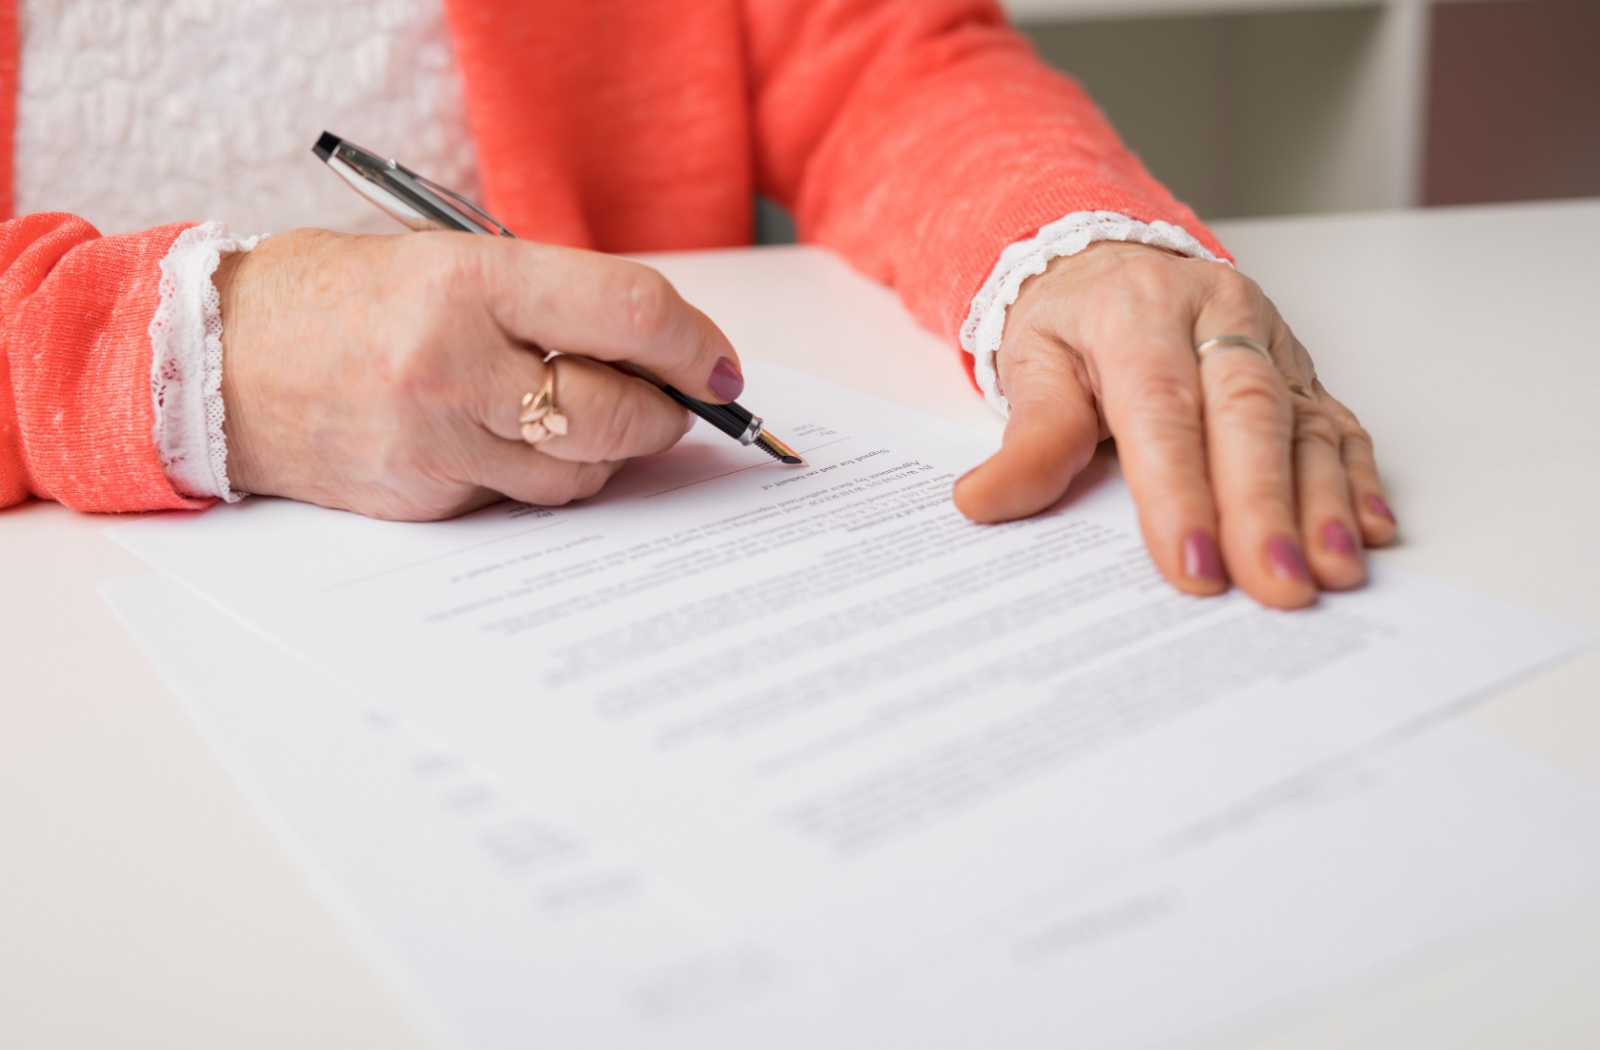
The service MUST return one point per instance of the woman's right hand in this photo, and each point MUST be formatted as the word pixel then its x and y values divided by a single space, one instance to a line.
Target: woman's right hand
pixel 385 375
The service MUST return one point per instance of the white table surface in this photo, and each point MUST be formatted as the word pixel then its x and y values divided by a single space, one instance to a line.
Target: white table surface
pixel 143 903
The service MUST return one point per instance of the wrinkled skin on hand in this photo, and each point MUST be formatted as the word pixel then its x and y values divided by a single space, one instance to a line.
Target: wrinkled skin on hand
pixel 384 375
pixel 1235 476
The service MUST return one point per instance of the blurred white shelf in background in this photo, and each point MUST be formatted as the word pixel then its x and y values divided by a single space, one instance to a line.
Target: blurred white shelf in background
pixel 1358 144
pixel 1054 9
pixel 1028 10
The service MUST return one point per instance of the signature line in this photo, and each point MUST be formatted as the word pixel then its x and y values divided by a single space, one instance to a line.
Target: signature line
pixel 741 470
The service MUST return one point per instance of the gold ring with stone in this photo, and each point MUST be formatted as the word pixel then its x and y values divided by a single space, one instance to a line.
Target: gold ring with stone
pixel 540 418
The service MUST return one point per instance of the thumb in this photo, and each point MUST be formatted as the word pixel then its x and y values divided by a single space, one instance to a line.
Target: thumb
pixel 1049 439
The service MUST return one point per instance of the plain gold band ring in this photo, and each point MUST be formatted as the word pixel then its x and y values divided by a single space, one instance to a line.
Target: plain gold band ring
pixel 1219 343
pixel 1243 342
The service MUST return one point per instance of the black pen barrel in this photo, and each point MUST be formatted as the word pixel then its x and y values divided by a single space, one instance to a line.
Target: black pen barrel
pixel 733 419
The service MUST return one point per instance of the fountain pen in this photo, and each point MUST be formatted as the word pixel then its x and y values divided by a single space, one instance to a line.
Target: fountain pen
pixel 424 205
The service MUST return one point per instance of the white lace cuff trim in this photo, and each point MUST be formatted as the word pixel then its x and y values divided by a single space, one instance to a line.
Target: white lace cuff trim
pixel 1068 235
pixel 186 366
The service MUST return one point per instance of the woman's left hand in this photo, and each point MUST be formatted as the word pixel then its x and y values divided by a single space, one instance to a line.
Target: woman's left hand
pixel 1241 468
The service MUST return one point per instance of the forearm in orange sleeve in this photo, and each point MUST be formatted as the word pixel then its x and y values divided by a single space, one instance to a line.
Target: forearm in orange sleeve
pixel 76 415
pixel 920 137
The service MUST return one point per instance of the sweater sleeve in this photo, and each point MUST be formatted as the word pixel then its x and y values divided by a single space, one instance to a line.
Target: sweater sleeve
pixel 920 138
pixel 76 413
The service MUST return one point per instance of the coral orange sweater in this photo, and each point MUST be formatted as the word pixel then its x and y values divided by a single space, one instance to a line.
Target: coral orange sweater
pixel 916 137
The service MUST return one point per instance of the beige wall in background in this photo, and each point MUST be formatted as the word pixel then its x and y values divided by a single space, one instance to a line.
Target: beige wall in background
pixel 1271 107
pixel 1252 114
pixel 1349 106
pixel 1240 114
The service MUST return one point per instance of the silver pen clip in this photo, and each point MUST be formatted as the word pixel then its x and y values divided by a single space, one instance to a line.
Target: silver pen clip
pixel 415 201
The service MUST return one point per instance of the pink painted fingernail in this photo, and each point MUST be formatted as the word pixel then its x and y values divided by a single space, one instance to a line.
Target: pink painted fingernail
pixel 1201 560
pixel 1284 559
pixel 1337 538
pixel 725 381
pixel 1377 506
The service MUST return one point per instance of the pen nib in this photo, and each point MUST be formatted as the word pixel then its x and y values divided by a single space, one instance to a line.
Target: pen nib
pixel 778 450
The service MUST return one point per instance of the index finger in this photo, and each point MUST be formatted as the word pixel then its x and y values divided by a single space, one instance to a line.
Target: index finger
pixel 609 309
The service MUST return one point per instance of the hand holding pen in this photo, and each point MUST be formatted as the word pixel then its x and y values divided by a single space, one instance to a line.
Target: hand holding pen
pixel 385 375
pixel 424 205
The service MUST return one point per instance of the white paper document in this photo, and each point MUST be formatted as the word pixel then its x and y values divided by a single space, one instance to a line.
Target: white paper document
pixel 793 694
pixel 505 924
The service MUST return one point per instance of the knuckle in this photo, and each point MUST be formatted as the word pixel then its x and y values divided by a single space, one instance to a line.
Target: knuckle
pixel 1341 412
pixel 1163 394
pixel 557 487
pixel 416 373
pixel 1021 349
pixel 1040 357
pixel 650 301
pixel 1161 427
pixel 1317 427
pixel 1253 392
pixel 1235 286
pixel 1285 335
pixel 1353 435
pixel 592 481
pixel 626 431
pixel 567 489
pixel 1237 298
pixel 1150 278
pixel 416 368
